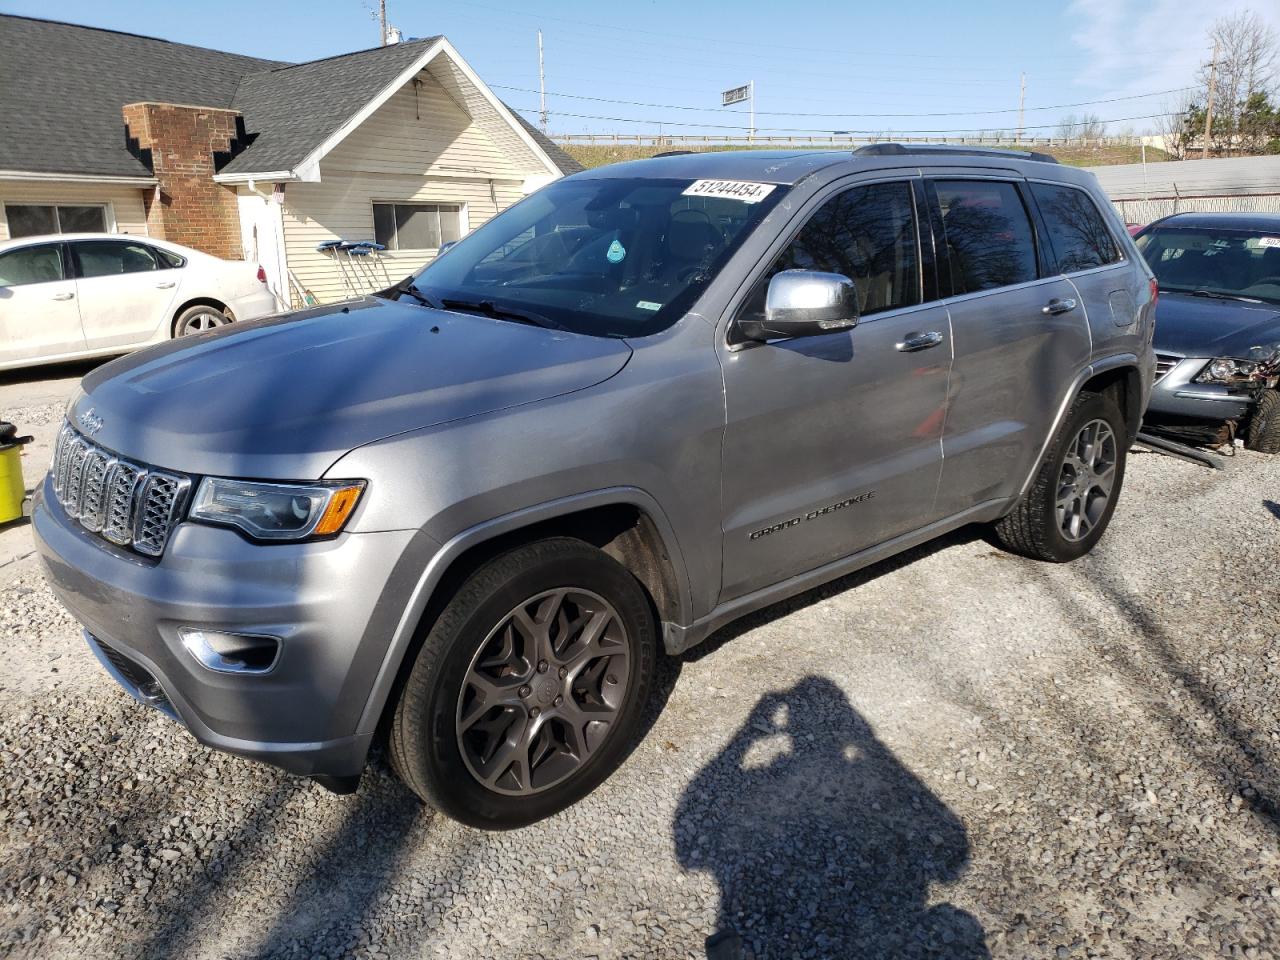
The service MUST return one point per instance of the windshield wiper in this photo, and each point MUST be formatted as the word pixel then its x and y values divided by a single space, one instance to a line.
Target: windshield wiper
pixel 1214 295
pixel 488 308
pixel 408 286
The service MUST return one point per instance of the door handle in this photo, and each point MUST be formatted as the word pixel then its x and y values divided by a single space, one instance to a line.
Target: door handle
pixel 63 296
pixel 1057 305
pixel 920 341
pixel 166 285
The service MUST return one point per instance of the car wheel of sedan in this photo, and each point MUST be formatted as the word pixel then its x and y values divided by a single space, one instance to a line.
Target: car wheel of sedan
pixel 200 318
pixel 529 688
pixel 1264 426
pixel 1070 502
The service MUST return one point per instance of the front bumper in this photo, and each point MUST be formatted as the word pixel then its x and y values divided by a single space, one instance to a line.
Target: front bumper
pixel 333 604
pixel 1176 397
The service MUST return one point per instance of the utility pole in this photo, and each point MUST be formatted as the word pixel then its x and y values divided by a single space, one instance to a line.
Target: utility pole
pixel 751 85
pixel 1208 111
pixel 542 87
pixel 1022 99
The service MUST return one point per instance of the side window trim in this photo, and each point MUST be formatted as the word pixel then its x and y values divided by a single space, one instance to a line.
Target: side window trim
pixel 1121 255
pixel 815 203
pixel 1019 184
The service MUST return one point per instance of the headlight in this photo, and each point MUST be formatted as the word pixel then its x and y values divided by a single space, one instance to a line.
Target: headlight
pixel 277 511
pixel 1226 370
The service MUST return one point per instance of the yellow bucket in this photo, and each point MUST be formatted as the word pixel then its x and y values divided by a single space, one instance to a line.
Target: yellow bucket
pixel 12 489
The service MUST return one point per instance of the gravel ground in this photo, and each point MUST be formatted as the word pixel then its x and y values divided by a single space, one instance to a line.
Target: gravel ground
pixel 958 753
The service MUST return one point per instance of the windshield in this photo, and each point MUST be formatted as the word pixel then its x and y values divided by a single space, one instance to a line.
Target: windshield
pixel 1223 262
pixel 607 257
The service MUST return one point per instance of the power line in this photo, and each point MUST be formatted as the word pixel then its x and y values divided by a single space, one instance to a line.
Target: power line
pixel 808 49
pixel 877 131
pixel 791 113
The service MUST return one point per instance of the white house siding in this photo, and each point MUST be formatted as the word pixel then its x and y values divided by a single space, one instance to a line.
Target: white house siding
pixel 124 204
pixel 342 206
pixel 419 146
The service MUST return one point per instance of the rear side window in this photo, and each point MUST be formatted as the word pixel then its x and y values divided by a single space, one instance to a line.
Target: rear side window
pixel 1077 230
pixel 38 264
pixel 869 235
pixel 106 258
pixel 988 234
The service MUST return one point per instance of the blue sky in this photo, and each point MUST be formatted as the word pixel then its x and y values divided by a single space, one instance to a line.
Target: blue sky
pixel 847 60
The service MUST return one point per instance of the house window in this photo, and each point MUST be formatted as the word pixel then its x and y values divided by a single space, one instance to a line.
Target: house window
pixel 30 219
pixel 416 226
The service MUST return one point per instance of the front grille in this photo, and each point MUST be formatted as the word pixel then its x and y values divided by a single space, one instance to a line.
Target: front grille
pixel 131 505
pixel 1165 363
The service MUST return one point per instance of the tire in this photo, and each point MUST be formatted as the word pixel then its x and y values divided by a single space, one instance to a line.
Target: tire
pixel 199 318
pixel 1264 425
pixel 456 748
pixel 1037 527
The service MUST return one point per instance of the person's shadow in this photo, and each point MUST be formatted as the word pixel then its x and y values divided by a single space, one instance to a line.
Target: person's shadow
pixel 822 843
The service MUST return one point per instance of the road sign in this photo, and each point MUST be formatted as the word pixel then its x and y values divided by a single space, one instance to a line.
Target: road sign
pixel 736 95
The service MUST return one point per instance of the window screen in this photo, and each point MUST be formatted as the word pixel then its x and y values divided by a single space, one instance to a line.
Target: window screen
pixel 38 264
pixel 105 258
pixel 868 234
pixel 416 226
pixel 32 219
pixel 1077 231
pixel 988 235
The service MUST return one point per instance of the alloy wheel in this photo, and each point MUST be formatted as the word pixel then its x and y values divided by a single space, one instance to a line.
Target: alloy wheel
pixel 543 691
pixel 1086 480
pixel 201 322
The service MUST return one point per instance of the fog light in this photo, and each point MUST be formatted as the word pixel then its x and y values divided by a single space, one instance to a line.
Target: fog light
pixel 230 652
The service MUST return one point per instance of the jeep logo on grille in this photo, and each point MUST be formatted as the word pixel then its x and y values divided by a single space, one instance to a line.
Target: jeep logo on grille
pixel 90 421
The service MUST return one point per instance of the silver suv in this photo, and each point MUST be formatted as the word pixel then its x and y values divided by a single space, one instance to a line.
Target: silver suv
pixel 468 515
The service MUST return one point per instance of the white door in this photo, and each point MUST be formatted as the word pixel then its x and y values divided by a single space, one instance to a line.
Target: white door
pixel 126 292
pixel 39 316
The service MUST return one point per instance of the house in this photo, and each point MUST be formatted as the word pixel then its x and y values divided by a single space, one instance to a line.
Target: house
pixel 243 157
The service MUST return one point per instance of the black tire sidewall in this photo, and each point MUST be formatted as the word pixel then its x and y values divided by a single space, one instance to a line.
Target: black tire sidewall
pixel 437 758
pixel 1088 407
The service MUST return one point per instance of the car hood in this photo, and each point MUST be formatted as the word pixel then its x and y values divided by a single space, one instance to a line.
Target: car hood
pixel 1203 327
pixel 284 397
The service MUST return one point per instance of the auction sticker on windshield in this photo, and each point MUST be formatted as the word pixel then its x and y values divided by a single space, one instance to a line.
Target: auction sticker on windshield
pixel 743 190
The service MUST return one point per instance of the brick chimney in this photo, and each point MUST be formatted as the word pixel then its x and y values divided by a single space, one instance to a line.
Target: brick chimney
pixel 188 208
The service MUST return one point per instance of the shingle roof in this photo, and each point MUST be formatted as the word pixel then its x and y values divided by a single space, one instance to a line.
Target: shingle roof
pixel 562 160
pixel 62 88
pixel 293 109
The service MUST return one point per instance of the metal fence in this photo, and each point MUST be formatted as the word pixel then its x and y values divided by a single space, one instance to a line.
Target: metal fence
pixel 828 140
pixel 1145 211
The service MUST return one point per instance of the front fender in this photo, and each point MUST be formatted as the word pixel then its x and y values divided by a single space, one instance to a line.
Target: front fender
pixel 419 596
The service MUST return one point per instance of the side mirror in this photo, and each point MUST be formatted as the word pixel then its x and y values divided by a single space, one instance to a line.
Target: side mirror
pixel 804 303
pixel 444 247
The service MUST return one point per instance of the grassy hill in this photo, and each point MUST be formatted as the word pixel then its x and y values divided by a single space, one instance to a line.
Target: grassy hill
pixel 599 155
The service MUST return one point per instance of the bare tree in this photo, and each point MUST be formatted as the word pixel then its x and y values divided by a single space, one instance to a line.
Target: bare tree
pixel 1177 125
pixel 1248 53
pixel 1087 126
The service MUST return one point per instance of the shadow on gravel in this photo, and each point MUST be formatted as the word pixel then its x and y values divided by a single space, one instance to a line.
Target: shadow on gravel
pixel 821 841
pixel 189 902
pixel 1273 508
pixel 784 608
pixel 325 914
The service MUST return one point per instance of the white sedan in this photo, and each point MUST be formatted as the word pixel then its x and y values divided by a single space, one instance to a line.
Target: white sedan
pixel 77 295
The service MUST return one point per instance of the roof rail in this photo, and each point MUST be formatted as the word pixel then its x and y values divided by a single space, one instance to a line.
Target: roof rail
pixel 672 153
pixel 943 149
